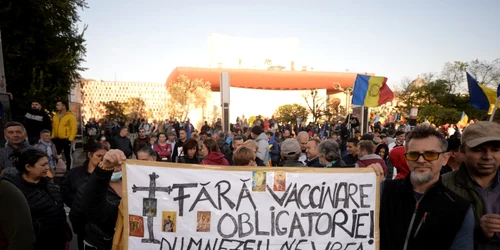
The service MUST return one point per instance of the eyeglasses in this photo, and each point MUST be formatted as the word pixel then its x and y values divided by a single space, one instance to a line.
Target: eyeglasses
pixel 428 155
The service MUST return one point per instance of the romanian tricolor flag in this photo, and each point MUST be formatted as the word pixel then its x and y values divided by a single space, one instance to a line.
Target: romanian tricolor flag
pixel 481 97
pixel 371 91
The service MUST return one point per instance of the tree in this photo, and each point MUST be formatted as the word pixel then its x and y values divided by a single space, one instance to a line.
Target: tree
pixel 485 72
pixel 44 52
pixel 290 112
pixel 437 102
pixel 136 108
pixel 186 95
pixel 315 104
pixel 438 115
pixel 114 110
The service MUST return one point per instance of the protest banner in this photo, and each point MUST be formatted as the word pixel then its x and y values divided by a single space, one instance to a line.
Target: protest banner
pixel 184 207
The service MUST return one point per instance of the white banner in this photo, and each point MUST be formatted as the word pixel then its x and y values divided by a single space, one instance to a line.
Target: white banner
pixel 185 207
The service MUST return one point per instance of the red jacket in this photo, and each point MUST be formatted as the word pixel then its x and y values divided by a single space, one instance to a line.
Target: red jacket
pixel 215 158
pixel 366 160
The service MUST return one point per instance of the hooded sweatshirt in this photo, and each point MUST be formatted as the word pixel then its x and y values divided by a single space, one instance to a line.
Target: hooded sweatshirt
pixel 215 158
pixel 366 160
pixel 397 158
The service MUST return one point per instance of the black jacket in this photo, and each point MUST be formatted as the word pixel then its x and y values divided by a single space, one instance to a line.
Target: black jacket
pixel 47 211
pixel 184 159
pixel 76 215
pixel 440 214
pixel 36 121
pixel 314 163
pixel 100 205
pixel 72 181
pixel 123 144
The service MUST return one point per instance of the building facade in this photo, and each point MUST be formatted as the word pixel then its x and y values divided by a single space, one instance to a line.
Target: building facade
pixel 96 92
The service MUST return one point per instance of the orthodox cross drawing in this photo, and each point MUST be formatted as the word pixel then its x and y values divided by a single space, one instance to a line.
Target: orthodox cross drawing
pixel 150 216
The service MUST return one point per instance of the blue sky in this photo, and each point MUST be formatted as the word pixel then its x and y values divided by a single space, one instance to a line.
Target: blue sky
pixel 144 40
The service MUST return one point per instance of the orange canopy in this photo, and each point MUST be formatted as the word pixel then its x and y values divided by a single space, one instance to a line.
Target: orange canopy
pixel 270 79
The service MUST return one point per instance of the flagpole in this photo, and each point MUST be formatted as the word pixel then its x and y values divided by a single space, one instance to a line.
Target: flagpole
pixel 494 109
pixel 362 120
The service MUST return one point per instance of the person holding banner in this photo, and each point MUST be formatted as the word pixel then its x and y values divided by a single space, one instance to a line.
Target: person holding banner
pixel 419 212
pixel 100 201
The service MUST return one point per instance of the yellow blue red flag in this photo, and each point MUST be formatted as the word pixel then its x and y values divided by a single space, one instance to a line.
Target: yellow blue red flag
pixel 371 91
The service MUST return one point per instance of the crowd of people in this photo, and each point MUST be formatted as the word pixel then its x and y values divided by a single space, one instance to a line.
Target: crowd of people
pixel 439 191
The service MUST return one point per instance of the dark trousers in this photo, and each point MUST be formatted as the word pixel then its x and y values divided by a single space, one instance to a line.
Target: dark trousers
pixel 86 247
pixel 89 248
pixel 79 241
pixel 64 145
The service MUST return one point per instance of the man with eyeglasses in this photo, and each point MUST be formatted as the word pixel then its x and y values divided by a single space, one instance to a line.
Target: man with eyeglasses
pixel 477 180
pixel 419 212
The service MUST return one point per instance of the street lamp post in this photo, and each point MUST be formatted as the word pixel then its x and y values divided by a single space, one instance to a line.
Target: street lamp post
pixel 347 91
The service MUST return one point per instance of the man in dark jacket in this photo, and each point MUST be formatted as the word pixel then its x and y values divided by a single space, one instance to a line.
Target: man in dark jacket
pixel 122 142
pixel 478 180
pixel 367 156
pixel 419 212
pixel 290 153
pixel 35 121
pixel 15 133
pixel 312 153
pixel 141 141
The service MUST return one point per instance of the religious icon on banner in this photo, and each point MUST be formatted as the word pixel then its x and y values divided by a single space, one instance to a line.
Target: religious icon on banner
pixel 203 221
pixel 258 181
pixel 149 207
pixel 279 181
pixel 136 226
pixel 169 221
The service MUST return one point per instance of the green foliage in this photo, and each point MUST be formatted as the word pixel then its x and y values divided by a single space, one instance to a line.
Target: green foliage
pixel 43 50
pixel 186 95
pixel 290 112
pixel 438 103
pixel 135 108
pixel 438 115
pixel 114 110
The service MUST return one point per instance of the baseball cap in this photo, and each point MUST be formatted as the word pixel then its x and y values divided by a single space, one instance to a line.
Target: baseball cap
pixel 481 132
pixel 290 147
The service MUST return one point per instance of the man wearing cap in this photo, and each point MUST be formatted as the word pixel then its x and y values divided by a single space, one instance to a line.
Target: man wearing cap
pixel 477 180
pixel 456 157
pixel 261 138
pixel 290 153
